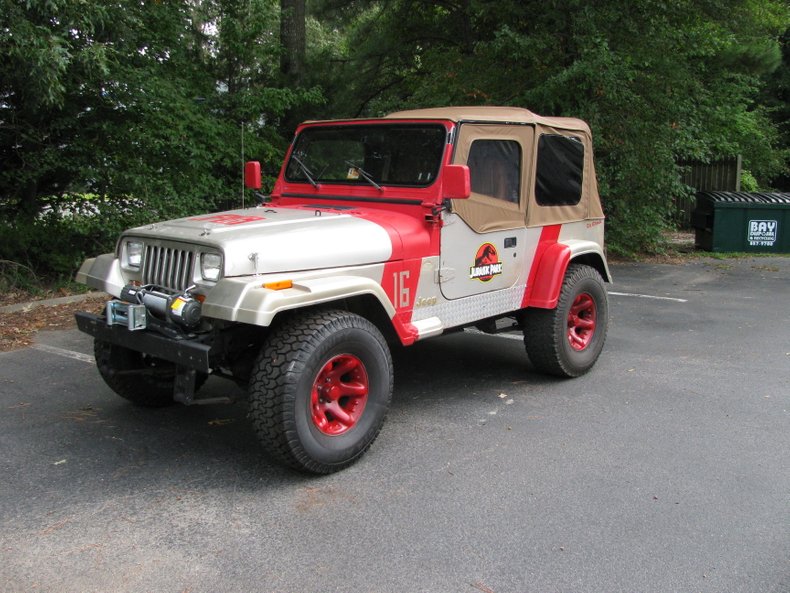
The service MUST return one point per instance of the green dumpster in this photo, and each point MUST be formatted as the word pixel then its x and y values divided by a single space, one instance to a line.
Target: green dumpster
pixel 739 221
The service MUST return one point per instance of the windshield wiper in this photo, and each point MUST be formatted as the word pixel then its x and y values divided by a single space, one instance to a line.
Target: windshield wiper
pixel 365 175
pixel 305 170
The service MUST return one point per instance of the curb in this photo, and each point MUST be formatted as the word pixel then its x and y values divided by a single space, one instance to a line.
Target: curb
pixel 24 307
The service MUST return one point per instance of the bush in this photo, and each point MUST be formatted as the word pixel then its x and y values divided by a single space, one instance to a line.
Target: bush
pixel 53 244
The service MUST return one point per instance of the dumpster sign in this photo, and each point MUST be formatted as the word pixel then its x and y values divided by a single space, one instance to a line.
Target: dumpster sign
pixel 762 233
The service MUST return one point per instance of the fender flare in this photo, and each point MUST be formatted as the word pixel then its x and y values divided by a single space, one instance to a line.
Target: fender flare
pixel 102 273
pixel 246 301
pixel 547 284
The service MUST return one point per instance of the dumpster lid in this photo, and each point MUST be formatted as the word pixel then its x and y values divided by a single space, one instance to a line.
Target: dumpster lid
pixel 739 197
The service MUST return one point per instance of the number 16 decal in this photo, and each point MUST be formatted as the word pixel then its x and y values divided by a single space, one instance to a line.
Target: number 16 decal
pixel 401 290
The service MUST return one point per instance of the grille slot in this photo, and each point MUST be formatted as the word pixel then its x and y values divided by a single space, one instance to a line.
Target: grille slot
pixel 168 267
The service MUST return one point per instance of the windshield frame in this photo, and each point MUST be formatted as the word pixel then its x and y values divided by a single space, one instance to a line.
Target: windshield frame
pixel 293 172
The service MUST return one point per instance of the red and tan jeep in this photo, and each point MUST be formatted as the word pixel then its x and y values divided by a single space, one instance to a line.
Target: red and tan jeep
pixel 378 232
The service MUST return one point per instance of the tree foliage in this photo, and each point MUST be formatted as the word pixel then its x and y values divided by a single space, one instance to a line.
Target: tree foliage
pixel 659 82
pixel 142 100
pixel 157 103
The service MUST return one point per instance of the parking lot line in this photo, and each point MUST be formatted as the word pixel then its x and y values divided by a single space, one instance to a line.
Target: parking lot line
pixel 64 353
pixel 648 296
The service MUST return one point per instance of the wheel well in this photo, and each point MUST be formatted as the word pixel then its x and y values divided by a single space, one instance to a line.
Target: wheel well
pixel 595 261
pixel 365 305
pixel 242 342
pixel 368 306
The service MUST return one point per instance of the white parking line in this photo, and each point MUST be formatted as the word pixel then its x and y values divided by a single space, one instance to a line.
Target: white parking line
pixel 648 296
pixel 64 353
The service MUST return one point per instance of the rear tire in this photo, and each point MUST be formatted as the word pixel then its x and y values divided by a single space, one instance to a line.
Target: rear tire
pixel 320 390
pixel 567 340
pixel 150 389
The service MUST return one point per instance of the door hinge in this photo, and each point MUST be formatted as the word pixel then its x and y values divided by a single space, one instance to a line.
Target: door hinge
pixel 444 275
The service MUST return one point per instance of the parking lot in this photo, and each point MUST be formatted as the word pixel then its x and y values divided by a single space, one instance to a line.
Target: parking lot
pixel 665 469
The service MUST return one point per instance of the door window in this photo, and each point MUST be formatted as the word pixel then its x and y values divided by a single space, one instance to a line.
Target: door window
pixel 495 169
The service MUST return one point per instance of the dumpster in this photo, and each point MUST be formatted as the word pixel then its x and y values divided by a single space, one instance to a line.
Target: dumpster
pixel 739 221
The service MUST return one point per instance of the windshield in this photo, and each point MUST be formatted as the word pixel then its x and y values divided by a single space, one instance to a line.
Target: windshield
pixel 382 154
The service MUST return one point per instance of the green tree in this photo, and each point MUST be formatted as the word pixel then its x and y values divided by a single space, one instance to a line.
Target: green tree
pixel 658 81
pixel 132 100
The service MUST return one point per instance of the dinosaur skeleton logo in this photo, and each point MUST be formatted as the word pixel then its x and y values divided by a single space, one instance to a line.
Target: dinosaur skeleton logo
pixel 487 264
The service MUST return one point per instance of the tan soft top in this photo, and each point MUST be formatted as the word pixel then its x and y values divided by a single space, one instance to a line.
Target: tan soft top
pixel 484 213
pixel 492 115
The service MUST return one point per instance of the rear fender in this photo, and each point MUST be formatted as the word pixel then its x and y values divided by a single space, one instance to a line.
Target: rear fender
pixel 545 291
pixel 546 287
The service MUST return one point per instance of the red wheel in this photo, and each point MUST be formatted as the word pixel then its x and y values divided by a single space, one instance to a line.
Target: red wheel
pixel 320 389
pixel 340 392
pixel 567 340
pixel 581 321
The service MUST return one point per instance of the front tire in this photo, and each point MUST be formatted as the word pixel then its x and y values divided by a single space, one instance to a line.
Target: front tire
pixel 320 390
pixel 567 340
pixel 144 380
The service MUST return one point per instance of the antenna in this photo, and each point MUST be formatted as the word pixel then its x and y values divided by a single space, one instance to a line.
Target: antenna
pixel 242 164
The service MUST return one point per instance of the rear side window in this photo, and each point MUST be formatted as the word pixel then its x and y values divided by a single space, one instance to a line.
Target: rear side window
pixel 560 169
pixel 495 169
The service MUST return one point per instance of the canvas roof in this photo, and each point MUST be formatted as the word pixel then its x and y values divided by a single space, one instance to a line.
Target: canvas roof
pixel 492 114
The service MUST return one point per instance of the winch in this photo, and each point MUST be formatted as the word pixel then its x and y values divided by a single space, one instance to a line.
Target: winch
pixel 138 301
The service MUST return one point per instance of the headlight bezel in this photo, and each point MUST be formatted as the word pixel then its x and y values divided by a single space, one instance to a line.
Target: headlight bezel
pixel 210 268
pixel 132 253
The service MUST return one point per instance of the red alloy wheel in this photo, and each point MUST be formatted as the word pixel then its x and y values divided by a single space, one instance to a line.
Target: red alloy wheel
pixel 339 394
pixel 581 321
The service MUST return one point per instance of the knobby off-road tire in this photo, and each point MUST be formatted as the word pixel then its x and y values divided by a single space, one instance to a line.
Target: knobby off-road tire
pixel 566 341
pixel 320 390
pixel 148 390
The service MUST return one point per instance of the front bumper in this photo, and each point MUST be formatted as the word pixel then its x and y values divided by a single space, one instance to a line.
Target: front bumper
pixel 184 352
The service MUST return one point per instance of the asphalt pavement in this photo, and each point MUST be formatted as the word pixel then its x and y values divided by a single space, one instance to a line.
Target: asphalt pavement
pixel 665 469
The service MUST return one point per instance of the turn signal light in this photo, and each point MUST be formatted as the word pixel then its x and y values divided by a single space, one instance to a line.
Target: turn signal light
pixel 281 285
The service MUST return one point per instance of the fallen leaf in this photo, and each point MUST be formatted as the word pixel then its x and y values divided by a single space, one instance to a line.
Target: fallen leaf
pixel 220 421
pixel 482 587
pixel 55 526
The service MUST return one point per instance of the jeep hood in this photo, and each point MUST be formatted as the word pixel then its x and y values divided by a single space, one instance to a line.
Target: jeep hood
pixel 270 240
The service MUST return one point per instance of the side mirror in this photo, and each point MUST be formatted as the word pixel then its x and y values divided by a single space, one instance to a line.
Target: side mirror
pixel 252 175
pixel 456 183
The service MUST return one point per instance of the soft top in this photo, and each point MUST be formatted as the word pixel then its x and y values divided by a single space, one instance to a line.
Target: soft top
pixel 492 114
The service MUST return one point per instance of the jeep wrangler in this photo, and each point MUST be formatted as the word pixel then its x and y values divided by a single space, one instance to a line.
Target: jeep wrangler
pixel 378 232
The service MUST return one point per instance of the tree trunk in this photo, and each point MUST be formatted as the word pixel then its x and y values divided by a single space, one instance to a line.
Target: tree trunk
pixel 292 38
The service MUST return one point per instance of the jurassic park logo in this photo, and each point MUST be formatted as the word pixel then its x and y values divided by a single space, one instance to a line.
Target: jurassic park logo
pixel 487 264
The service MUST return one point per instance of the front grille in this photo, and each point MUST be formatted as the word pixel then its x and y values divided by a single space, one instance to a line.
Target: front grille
pixel 168 267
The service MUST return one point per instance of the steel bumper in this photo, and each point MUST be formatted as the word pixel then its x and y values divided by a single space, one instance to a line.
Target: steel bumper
pixel 187 353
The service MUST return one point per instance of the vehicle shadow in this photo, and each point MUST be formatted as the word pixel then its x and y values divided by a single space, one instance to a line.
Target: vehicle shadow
pixel 122 445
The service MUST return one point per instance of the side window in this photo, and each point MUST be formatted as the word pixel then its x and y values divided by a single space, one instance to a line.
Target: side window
pixel 560 167
pixel 495 169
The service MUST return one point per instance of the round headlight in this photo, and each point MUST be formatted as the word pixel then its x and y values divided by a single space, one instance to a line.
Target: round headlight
pixel 210 266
